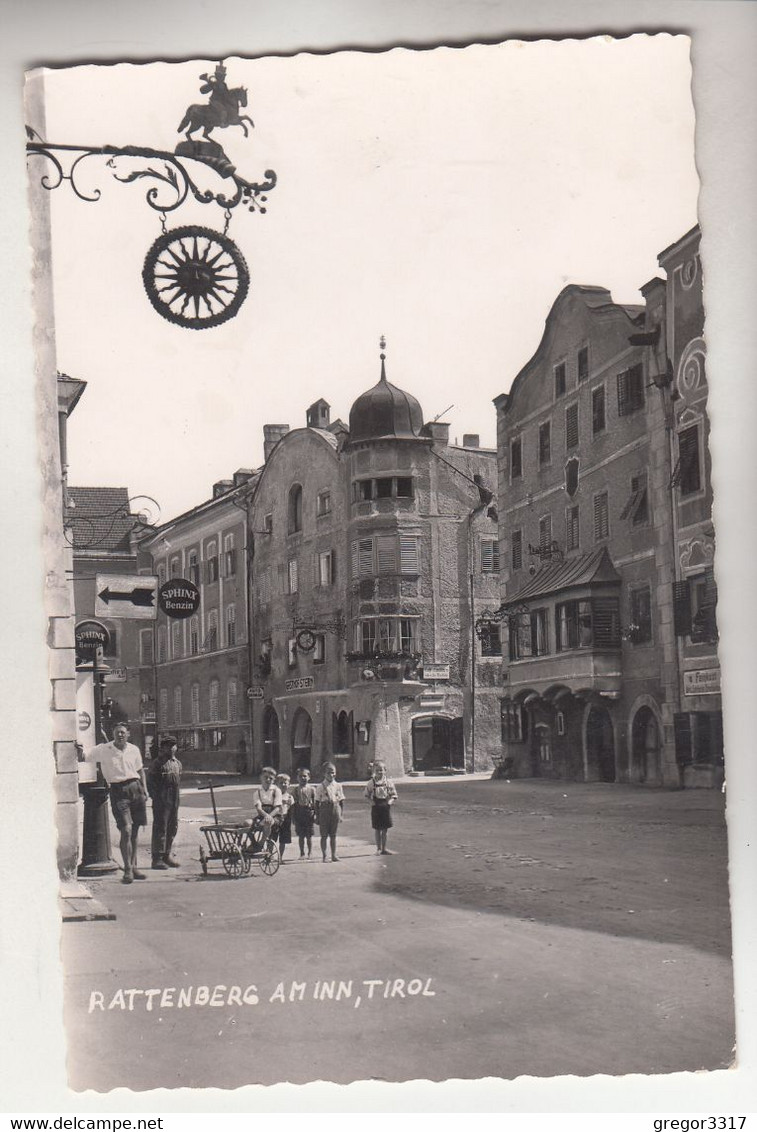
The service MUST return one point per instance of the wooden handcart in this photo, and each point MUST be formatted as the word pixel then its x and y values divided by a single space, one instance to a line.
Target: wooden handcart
pixel 238 845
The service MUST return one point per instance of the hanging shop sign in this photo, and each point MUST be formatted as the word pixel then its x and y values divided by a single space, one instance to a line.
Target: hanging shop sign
pixel 89 637
pixel 178 598
pixel 194 276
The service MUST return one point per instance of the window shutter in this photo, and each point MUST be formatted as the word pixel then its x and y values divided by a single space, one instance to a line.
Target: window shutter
pixel 516 465
pixel 623 393
pixel 517 549
pixel 682 732
pixel 688 470
pixel 409 555
pixel 365 556
pixel 487 556
pixel 681 608
pixel 354 560
pixel 386 552
pixel 571 426
pixel 601 528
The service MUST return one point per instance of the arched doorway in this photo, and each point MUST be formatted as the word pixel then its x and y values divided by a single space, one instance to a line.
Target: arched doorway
pixel 438 743
pixel 600 746
pixel 271 738
pixel 645 748
pixel 302 739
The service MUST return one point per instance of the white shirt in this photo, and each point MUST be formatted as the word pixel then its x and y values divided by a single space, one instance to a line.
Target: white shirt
pixel 117 765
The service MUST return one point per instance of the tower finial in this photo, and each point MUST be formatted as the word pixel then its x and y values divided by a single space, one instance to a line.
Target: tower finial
pixel 382 355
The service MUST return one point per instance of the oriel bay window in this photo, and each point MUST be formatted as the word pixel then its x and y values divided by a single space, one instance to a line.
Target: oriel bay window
pixel 383 487
pixel 529 635
pixel 587 623
pixel 386 635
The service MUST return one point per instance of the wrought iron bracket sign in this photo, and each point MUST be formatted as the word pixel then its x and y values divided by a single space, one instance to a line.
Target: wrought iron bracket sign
pixel 550 551
pixel 194 276
pixel 306 631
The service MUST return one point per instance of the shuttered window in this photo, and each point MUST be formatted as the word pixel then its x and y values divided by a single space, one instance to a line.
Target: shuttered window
pixel 630 390
pixel 637 506
pixel 545 532
pixel 681 608
pixel 489 556
pixel 598 419
pixel 386 554
pixel 545 443
pixel 689 477
pixel 293 576
pixel 682 732
pixel 605 613
pixel 409 554
pixel 362 557
pixel 572 528
pixel 516 548
pixel 571 426
pixel 583 363
pixel 516 458
pixel 601 517
pixel 560 379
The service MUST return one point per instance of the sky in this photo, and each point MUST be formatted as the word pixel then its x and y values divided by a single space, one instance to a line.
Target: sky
pixel 441 198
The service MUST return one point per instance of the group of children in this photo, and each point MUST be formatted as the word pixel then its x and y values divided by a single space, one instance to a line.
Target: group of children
pixel 278 809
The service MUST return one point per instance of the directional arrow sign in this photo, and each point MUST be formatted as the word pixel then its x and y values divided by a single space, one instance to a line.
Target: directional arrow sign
pixel 132 595
pixel 140 596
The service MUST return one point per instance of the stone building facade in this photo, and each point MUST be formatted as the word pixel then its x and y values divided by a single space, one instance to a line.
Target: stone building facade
pixel 195 671
pixel 602 529
pixel 375 549
pixel 698 719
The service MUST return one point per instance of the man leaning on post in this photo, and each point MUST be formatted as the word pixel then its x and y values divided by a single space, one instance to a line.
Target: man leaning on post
pixel 122 768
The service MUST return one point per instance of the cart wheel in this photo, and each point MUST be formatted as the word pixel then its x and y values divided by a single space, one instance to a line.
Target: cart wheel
pixel 233 862
pixel 204 861
pixel 269 857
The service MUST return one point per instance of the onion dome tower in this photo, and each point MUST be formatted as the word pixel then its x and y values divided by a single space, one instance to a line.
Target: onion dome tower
pixel 385 412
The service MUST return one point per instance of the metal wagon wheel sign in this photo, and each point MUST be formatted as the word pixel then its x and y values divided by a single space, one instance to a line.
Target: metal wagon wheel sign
pixel 195 277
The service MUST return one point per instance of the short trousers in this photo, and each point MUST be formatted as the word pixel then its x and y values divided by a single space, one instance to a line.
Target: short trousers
pixel 329 816
pixel 127 801
pixel 381 815
pixel 303 820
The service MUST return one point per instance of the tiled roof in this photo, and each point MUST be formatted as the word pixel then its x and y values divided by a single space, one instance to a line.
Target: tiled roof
pixel 580 570
pixel 98 518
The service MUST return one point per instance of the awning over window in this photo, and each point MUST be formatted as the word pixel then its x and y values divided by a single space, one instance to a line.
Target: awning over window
pixel 572 573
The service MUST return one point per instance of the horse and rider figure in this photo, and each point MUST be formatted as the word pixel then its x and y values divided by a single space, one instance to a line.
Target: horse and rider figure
pixel 221 110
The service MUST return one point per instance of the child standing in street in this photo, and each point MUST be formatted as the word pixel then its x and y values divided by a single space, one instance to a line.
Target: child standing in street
pixel 285 823
pixel 383 794
pixel 329 803
pixel 303 810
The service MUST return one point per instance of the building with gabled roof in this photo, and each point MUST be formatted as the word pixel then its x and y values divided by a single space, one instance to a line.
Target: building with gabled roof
pixel 606 542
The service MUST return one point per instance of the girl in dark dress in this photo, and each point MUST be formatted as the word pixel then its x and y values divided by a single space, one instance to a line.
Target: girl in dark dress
pixel 383 794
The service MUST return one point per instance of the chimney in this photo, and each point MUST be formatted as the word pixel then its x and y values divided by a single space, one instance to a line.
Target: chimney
pixel 222 487
pixel 242 475
pixel 471 440
pixel 437 430
pixel 272 434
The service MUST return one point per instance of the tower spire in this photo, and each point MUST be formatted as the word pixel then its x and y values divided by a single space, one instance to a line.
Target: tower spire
pixel 382 355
